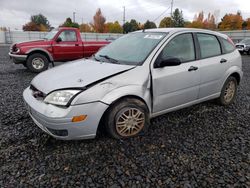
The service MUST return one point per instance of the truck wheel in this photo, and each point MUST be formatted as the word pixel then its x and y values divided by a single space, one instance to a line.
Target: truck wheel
pixel 127 118
pixel 37 63
pixel 228 92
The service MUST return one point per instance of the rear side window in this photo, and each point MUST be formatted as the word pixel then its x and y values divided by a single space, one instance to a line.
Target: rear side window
pixel 209 45
pixel 182 47
pixel 228 47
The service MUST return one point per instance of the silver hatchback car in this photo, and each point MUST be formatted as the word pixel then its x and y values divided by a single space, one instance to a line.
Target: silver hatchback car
pixel 138 76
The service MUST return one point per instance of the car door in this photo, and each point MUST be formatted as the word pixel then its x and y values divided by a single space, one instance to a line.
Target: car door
pixel 176 85
pixel 67 46
pixel 213 64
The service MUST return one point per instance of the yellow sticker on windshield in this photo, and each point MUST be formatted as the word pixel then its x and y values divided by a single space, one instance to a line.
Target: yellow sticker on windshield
pixel 157 37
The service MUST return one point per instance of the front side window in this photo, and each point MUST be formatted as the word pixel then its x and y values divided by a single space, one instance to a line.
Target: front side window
pixel 68 36
pixel 181 47
pixel 209 45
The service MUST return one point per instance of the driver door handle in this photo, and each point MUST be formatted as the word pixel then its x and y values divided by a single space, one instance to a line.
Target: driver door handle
pixel 192 68
pixel 223 60
pixel 76 44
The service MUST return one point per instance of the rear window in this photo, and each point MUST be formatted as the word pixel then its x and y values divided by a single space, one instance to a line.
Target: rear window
pixel 228 46
pixel 209 45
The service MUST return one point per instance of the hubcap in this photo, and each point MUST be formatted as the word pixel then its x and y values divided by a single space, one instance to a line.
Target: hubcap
pixel 38 63
pixel 130 122
pixel 229 91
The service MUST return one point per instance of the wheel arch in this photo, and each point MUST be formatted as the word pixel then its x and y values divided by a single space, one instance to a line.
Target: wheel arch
pixel 41 51
pixel 237 76
pixel 101 125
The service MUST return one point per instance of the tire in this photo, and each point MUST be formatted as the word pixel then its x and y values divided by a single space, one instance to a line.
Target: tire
pixel 24 64
pixel 228 92
pixel 37 63
pixel 121 124
pixel 248 52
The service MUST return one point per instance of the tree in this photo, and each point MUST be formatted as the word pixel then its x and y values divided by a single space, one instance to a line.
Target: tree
pixel 177 19
pixel 131 26
pixel 197 21
pixel 85 28
pixel 248 24
pixel 31 26
pixel 200 21
pixel 40 19
pixel 244 25
pixel 68 23
pixel 3 29
pixel 149 25
pixel 113 27
pixel 99 21
pixel 209 22
pixel 37 23
pixel 165 22
pixel 231 22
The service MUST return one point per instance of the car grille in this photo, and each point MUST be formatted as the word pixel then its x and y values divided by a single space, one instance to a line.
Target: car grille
pixel 39 95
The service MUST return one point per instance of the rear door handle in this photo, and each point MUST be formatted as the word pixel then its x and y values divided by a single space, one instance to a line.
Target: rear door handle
pixel 76 44
pixel 192 68
pixel 223 61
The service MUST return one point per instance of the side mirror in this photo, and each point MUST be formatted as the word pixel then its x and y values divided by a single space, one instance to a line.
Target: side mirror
pixel 172 61
pixel 59 39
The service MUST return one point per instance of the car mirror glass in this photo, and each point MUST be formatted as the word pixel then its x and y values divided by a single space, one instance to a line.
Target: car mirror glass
pixel 171 61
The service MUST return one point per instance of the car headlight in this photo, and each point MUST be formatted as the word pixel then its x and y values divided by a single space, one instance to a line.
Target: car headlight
pixel 61 97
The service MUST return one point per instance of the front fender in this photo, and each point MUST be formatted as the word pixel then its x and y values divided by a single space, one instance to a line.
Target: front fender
pixel 129 90
pixel 41 50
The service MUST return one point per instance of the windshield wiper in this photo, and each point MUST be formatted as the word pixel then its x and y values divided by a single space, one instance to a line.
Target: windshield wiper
pixel 112 60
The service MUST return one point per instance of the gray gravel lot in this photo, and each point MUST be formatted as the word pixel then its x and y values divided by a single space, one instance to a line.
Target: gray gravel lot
pixel 202 146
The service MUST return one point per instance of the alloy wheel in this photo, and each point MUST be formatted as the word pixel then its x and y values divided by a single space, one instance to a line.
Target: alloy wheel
pixel 130 122
pixel 229 91
pixel 38 63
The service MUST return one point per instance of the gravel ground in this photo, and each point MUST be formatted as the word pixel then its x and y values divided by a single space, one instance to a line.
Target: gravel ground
pixel 202 146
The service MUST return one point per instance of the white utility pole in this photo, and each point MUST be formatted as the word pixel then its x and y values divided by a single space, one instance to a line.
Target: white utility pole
pixel 171 14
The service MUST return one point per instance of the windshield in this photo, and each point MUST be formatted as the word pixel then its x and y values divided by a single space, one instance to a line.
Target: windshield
pixel 245 41
pixel 131 49
pixel 51 35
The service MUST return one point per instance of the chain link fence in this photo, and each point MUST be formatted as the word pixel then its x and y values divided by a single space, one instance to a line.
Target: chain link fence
pixel 9 37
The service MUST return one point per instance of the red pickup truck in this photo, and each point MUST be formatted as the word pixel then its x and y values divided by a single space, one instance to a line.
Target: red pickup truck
pixel 63 44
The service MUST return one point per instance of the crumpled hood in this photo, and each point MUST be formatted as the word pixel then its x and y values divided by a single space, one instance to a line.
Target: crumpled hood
pixel 76 74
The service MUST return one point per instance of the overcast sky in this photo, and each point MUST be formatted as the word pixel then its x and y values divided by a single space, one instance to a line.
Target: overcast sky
pixel 15 13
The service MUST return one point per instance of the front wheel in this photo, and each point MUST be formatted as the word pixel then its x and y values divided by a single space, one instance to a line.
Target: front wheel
pixel 228 92
pixel 37 63
pixel 127 118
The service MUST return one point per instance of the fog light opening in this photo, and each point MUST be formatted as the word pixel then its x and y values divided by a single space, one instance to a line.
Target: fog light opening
pixel 79 118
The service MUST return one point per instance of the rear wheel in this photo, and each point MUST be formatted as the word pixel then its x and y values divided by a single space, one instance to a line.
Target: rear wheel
pixel 127 118
pixel 37 62
pixel 228 92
